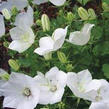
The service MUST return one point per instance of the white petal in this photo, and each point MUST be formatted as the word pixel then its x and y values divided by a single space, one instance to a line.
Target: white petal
pixel 59 37
pixel 2 26
pixel 72 82
pixel 46 45
pixel 85 77
pixel 19 46
pixel 81 37
pixel 25 19
pixel 38 2
pixel 87 28
pixel 99 105
pixel 19 4
pixel 58 2
pixel 57 96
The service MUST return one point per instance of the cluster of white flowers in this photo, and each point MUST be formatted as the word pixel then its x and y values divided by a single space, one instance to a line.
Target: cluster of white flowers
pixel 24 92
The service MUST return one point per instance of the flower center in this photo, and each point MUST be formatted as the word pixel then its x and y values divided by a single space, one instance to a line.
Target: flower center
pixel 98 97
pixel 27 92
pixel 53 88
pixel 25 37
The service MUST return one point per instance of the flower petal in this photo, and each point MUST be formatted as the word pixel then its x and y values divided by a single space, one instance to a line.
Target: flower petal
pixel 46 45
pixel 19 46
pixel 38 2
pixel 58 2
pixel 59 37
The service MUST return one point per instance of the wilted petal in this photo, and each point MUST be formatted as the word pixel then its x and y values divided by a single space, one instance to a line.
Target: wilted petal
pixel 2 26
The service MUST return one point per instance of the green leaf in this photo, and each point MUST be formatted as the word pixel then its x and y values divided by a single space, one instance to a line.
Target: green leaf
pixel 105 69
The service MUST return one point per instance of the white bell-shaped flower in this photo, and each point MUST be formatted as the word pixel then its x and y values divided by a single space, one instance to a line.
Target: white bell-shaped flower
pixel 81 37
pixel 55 2
pixel 2 26
pixel 49 44
pixel 51 86
pixel 78 83
pixel 22 35
pixel 20 92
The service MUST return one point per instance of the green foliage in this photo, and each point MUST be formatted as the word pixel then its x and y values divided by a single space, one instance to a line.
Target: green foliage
pixel 105 69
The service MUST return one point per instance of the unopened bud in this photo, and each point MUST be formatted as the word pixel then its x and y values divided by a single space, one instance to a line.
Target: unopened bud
pixel 45 22
pixel 6 14
pixel 62 57
pixel 70 16
pixel 14 64
pixel 92 14
pixel 83 13
pixel 5 76
pixel 105 7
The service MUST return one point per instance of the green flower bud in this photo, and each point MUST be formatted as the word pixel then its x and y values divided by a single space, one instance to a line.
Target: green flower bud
pixel 62 57
pixel 70 16
pixel 5 77
pixel 69 67
pixel 45 22
pixel 6 14
pixel 14 64
pixel 83 13
pixel 105 7
pixel 38 22
pixel 92 14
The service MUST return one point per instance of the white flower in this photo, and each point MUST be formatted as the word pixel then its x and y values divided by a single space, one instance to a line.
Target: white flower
pixel 4 76
pixel 51 86
pixel 81 37
pixel 2 26
pixel 20 92
pixel 49 44
pixel 19 4
pixel 102 89
pixel 22 35
pixel 55 2
pixel 78 83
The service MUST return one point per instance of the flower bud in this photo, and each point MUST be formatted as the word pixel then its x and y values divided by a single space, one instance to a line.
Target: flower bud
pixel 105 7
pixel 62 57
pixel 45 22
pixel 92 14
pixel 70 16
pixel 83 13
pixel 5 76
pixel 14 64
pixel 69 67
pixel 6 14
